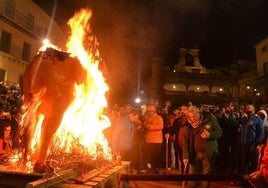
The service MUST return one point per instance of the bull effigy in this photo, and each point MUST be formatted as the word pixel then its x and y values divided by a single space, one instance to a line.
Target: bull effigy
pixel 48 86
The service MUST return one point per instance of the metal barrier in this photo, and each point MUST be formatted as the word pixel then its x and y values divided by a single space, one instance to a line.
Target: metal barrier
pixel 181 177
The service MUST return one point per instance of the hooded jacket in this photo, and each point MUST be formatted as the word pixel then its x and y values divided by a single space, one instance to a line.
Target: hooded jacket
pixel 265 121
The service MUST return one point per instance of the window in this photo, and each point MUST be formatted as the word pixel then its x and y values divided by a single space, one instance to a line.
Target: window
pixel 26 52
pixel 265 68
pixel 5 41
pixel 10 9
pixel 189 60
pixel 2 75
pixel 30 22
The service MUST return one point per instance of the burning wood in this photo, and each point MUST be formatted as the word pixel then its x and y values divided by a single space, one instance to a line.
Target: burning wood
pixel 64 99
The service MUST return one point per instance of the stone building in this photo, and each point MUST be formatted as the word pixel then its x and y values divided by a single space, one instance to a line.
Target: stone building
pixel 243 82
pixel 23 27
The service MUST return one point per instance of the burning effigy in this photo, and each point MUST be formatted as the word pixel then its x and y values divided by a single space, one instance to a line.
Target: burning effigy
pixel 64 100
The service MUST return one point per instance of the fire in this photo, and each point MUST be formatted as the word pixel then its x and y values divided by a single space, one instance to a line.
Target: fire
pixel 84 121
pixel 82 125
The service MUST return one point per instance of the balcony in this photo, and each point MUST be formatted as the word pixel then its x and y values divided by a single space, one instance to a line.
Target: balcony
pixel 26 22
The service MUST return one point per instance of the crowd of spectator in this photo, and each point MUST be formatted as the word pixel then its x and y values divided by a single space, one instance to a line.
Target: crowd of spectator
pixel 191 139
pixel 10 99
pixel 10 106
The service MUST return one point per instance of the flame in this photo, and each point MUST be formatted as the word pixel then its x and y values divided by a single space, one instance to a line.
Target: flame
pixel 81 129
pixel 84 121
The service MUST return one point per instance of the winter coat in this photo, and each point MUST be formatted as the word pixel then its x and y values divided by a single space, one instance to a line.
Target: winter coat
pixel 153 128
pixel 209 123
pixel 252 130
pixel 122 138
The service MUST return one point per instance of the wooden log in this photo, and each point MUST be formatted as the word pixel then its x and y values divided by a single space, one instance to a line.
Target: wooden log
pixel 61 176
pixel 17 171
pixel 98 179
pixel 85 177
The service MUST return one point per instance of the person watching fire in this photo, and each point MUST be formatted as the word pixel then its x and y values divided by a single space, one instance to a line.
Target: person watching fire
pixel 200 147
pixel 122 138
pixel 5 141
pixel 154 125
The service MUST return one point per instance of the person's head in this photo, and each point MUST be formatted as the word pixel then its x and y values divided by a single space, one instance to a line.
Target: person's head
pixel 176 112
pixel 250 109
pixel 262 114
pixel 164 111
pixel 193 116
pixel 183 109
pixel 121 111
pixel 150 109
pixel 183 118
pixel 128 108
pixel 134 116
pixel 242 109
pixel 6 131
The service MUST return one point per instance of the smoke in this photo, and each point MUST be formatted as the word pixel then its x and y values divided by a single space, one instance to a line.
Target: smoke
pixel 132 32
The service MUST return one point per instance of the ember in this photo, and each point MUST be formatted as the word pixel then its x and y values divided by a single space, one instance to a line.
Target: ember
pixel 64 99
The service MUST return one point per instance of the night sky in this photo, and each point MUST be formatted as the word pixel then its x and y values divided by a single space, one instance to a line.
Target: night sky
pixel 131 32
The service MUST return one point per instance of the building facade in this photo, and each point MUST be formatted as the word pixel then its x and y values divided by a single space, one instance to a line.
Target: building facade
pixel 23 27
pixel 243 82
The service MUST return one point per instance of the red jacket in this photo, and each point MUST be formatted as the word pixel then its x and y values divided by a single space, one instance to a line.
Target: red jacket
pixel 264 164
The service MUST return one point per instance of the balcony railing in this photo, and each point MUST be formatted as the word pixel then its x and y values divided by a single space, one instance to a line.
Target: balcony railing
pixel 24 21
pixel 16 52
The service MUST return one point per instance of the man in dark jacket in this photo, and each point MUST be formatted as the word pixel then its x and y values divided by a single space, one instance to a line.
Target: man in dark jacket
pixel 200 145
pixel 252 135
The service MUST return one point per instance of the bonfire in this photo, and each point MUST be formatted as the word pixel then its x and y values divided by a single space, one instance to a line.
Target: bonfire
pixel 64 101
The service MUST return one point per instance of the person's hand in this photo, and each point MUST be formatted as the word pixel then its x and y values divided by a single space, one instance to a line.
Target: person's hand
pixel 260 148
pixel 172 137
pixel 167 135
pixel 185 162
pixel 205 134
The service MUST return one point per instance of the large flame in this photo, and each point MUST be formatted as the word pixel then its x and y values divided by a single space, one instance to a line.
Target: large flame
pixel 84 121
pixel 81 129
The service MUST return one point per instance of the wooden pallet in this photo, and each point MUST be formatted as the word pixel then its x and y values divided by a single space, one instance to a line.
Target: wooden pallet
pixel 69 178
pixel 97 178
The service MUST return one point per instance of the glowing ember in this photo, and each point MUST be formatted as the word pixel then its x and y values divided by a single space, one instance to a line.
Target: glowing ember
pixel 81 127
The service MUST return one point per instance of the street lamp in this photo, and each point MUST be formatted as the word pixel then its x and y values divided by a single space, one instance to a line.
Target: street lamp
pixel 137 100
